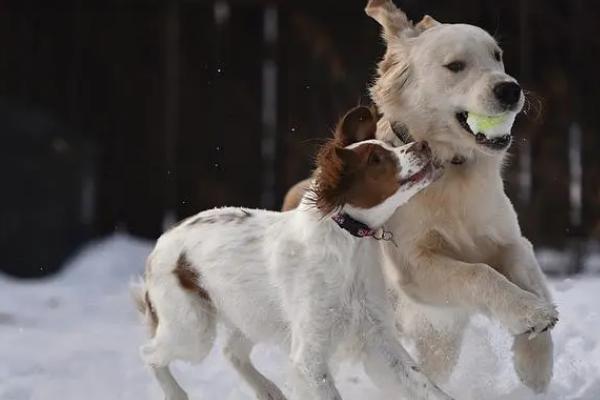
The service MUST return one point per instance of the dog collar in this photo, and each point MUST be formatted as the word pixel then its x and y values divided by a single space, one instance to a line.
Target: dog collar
pixel 360 230
pixel 401 132
pixel 356 228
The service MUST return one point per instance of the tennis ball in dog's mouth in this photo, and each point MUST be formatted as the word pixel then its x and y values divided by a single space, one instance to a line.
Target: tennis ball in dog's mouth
pixel 491 126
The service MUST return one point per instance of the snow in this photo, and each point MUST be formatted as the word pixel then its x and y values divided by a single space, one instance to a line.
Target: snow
pixel 76 336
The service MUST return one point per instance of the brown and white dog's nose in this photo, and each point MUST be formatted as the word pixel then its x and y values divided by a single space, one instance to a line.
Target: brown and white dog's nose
pixel 420 147
pixel 508 93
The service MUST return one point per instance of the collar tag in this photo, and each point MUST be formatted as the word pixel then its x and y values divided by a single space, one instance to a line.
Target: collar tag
pixel 386 236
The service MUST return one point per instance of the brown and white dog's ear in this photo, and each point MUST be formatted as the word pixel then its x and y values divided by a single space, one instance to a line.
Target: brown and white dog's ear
pixel 426 23
pixel 357 125
pixel 393 21
pixel 348 158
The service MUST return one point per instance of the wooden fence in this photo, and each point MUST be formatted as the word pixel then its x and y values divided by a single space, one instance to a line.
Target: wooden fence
pixel 192 104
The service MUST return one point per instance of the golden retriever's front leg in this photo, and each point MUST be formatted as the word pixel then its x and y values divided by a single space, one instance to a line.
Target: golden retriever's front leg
pixel 437 279
pixel 518 263
pixel 533 359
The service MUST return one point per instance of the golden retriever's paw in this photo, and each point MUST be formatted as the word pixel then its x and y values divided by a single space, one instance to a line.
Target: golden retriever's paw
pixel 533 360
pixel 543 318
pixel 532 316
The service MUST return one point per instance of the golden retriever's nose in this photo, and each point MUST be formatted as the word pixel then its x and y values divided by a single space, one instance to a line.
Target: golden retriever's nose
pixel 508 93
pixel 420 147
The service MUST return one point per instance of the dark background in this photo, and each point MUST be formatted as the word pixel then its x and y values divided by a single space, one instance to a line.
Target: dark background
pixel 129 115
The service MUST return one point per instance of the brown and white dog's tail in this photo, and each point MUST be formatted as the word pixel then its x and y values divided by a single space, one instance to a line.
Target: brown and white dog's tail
pixel 139 294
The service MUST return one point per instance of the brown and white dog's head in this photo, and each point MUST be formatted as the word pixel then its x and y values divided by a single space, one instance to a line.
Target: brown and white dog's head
pixel 432 74
pixel 356 170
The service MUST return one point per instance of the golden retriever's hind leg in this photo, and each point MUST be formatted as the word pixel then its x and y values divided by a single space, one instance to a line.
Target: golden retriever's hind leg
pixel 439 348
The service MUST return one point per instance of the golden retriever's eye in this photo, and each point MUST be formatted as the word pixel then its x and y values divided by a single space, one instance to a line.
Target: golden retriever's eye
pixel 456 66
pixel 497 56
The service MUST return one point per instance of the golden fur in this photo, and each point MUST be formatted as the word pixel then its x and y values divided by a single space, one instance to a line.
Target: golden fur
pixel 460 248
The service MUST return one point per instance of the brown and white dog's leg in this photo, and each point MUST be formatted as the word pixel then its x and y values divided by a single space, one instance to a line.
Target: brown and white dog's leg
pixel 168 384
pixel 237 350
pixel 183 326
pixel 311 376
pixel 533 358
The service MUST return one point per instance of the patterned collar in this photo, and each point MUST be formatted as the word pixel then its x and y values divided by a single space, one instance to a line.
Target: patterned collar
pixel 360 230
pixel 353 226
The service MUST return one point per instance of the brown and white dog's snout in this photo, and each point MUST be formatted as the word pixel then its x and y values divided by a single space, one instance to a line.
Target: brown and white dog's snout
pixel 416 164
pixel 421 152
pixel 508 94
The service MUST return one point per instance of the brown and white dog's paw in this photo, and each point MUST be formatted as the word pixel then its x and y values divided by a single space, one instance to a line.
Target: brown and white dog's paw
pixel 533 360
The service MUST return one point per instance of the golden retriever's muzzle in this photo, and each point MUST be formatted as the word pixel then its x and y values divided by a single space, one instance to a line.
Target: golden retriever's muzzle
pixel 508 94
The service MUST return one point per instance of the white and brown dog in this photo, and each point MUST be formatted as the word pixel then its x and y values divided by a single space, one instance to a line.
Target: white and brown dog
pixel 460 248
pixel 309 279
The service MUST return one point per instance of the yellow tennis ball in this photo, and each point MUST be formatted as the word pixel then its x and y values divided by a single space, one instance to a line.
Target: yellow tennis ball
pixel 495 125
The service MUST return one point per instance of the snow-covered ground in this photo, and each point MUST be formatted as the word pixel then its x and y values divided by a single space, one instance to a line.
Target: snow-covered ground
pixel 76 337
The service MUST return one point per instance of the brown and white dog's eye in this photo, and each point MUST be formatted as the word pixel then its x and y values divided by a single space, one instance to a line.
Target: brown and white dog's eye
pixel 497 56
pixel 374 158
pixel 456 66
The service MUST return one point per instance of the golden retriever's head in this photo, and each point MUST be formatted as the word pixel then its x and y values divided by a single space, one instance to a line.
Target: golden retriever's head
pixel 433 74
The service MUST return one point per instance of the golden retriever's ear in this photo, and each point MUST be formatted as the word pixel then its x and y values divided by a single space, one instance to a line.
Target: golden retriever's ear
pixel 357 125
pixel 393 21
pixel 426 23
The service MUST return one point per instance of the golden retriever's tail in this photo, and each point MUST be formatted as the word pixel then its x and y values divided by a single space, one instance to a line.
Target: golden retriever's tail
pixel 294 195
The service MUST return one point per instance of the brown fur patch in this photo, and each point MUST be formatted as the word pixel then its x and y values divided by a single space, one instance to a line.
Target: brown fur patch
pixel 364 182
pixel 189 277
pixel 225 218
pixel 363 176
pixel 374 181
pixel 153 316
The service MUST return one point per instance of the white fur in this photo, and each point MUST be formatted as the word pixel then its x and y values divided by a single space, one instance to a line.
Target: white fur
pixel 293 278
